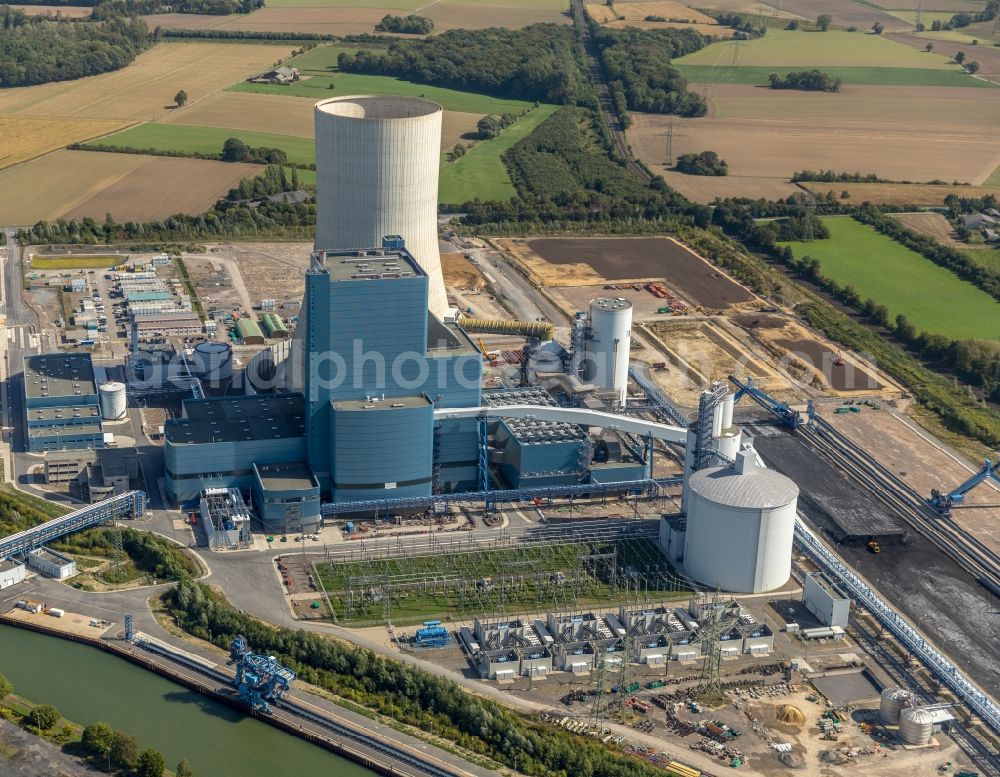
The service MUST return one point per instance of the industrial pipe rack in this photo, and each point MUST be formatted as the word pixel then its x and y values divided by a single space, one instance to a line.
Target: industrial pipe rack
pixel 647 487
pixel 945 670
pixel 131 503
pixel 658 398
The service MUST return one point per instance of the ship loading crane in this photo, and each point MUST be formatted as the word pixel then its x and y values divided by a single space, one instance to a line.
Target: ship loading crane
pixel 785 414
pixel 943 502
pixel 259 679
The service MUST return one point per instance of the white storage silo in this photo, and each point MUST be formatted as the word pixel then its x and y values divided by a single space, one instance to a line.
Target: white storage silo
pixel 741 521
pixel 213 363
pixel 892 702
pixel 608 346
pixel 377 161
pixel 916 725
pixel 113 401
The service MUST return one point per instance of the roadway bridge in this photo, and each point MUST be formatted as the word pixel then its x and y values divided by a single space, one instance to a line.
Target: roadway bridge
pixel 131 504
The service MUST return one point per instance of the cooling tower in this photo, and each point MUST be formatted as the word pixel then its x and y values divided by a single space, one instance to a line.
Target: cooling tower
pixel 377 164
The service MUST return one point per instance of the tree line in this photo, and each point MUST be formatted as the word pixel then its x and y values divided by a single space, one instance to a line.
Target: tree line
pixel 542 62
pixel 831 176
pixel 702 163
pixel 806 81
pixel 411 24
pixel 637 68
pixel 243 35
pixel 233 150
pixel 152 555
pixel 407 693
pixel 40 49
pixel 105 8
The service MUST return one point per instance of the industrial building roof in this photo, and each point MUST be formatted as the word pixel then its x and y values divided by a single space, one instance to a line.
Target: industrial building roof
pixel 238 419
pixel 51 556
pixel 58 375
pixel 6 565
pixel 63 413
pixel 68 430
pixel 247 327
pixel 444 339
pixel 286 477
pixel 378 403
pixel 373 263
pixel 529 430
pixel 758 487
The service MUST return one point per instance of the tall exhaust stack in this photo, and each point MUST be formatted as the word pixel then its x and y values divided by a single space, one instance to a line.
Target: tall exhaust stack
pixel 377 160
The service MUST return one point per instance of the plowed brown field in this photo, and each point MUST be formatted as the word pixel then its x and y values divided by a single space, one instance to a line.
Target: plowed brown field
pixel 907 194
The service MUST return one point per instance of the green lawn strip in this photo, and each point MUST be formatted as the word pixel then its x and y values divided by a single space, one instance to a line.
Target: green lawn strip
pixel 39 262
pixel 190 139
pixel 868 76
pixel 481 172
pixel 931 297
pixel 321 60
pixel 987 257
pixel 345 84
pixel 994 179
pixel 801 49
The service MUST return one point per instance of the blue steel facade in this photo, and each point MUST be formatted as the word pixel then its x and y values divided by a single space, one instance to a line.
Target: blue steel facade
pixel 60 403
pixel 286 498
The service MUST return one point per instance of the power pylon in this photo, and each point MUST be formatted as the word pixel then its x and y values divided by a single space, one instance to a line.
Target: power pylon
pixel 601 707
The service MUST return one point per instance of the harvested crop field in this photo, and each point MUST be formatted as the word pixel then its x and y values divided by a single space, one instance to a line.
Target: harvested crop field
pixel 282 115
pixel 899 133
pixel 988 57
pixel 845 13
pixel 129 186
pixel 474 16
pixel 636 12
pixel 750 7
pixel 933 225
pixel 715 30
pixel 613 259
pixel 68 11
pixel 146 88
pixel 904 193
pixel 706 188
pixel 25 137
pixel 460 273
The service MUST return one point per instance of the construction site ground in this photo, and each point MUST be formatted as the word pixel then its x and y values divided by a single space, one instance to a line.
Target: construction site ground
pixel 924 464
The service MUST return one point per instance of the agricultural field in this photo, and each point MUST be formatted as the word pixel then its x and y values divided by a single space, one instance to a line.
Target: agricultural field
pixel 319 88
pixel 932 225
pixel 206 140
pixel 786 48
pixel 523 579
pixel 145 89
pixel 121 184
pixel 869 76
pixel 931 297
pixel 25 137
pixel 994 179
pixel 706 188
pixel 76 262
pixel 68 11
pixel 889 193
pixel 845 13
pixel 985 54
pixel 481 172
pixel 899 133
pixel 770 10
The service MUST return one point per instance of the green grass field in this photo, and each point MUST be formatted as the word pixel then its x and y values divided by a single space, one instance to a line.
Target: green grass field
pixel 344 84
pixel 994 179
pixel 987 257
pixel 868 76
pixel 927 17
pixel 931 297
pixel 321 60
pixel 39 262
pixel 796 49
pixel 518 579
pixel 481 173
pixel 187 138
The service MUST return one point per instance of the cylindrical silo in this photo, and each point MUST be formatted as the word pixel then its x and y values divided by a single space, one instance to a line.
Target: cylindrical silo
pixel 609 344
pixel 112 400
pixel 916 725
pixel 740 524
pixel 377 162
pixel 213 363
pixel 892 702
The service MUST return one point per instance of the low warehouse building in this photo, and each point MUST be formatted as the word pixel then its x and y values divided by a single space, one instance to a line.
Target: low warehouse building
pixel 11 573
pixel 51 564
pixel 826 600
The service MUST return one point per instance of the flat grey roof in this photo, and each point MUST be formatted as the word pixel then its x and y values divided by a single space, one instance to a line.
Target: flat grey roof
pixel 445 339
pixel 376 403
pixel 67 430
pixel 63 412
pixel 286 477
pixel 58 375
pixel 758 488
pixel 362 263
pixel 51 556
pixel 238 419
pixel 6 565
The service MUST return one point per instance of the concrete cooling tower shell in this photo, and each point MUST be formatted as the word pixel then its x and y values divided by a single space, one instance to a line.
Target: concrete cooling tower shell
pixel 377 162
pixel 740 527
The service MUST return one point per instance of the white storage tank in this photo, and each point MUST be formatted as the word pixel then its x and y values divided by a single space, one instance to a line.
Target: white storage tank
pixel 213 363
pixel 377 161
pixel 740 525
pixel 916 725
pixel 892 702
pixel 113 401
pixel 608 346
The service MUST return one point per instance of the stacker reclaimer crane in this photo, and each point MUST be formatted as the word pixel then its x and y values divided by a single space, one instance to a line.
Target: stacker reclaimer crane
pixel 259 679
pixel 944 502
pixel 785 414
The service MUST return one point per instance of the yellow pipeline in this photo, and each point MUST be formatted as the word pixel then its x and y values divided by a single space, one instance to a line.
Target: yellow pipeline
pixel 493 326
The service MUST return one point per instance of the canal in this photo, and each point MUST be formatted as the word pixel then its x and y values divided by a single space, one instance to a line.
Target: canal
pixel 86 685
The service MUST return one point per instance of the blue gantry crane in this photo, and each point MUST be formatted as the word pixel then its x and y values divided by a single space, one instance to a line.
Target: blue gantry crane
pixel 785 414
pixel 944 502
pixel 259 679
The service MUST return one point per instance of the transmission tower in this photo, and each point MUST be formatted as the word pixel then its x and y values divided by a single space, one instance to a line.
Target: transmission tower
pixel 624 673
pixel 808 217
pixel 601 707
pixel 716 620
pixel 118 557
pixel 920 12
pixel 671 134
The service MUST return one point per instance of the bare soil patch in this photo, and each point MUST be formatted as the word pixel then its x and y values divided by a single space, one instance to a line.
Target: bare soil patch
pixel 900 133
pixel 845 13
pixel 146 88
pixel 715 30
pixel 750 7
pixel 645 257
pixel 889 193
pixel 184 21
pixel 334 21
pixel 637 11
pixel 460 273
pixel 821 358
pixel 67 11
